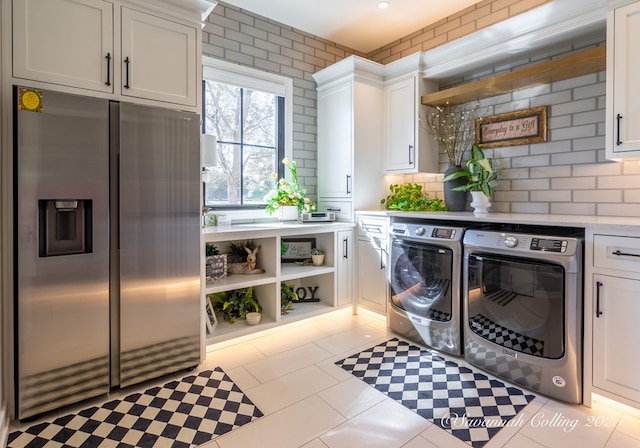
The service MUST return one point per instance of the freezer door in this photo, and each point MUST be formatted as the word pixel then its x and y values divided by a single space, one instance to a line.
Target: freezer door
pixel 159 242
pixel 61 209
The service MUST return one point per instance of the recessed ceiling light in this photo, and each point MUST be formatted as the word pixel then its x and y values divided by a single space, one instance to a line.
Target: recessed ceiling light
pixel 383 5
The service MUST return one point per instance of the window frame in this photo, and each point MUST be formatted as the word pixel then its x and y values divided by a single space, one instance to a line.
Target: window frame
pixel 251 78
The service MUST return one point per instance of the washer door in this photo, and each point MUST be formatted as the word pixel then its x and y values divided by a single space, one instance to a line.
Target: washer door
pixel 420 279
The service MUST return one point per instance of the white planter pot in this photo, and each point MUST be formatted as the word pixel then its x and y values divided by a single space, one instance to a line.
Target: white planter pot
pixel 288 213
pixel 318 260
pixel 480 203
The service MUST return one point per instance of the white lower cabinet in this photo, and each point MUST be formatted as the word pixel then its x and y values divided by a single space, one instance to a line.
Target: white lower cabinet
pixel 344 267
pixel 321 289
pixel 616 336
pixel 615 309
pixel 371 260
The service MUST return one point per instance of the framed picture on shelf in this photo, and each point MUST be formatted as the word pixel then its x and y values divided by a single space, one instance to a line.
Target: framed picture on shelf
pixel 210 317
pixel 296 249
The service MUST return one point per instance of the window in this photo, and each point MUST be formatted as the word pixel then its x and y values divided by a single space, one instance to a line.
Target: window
pixel 247 112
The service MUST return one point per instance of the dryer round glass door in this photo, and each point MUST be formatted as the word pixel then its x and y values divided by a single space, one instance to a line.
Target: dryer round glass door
pixel 420 279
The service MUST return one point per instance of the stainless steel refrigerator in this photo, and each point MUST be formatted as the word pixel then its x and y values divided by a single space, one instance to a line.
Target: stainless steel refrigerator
pixel 107 222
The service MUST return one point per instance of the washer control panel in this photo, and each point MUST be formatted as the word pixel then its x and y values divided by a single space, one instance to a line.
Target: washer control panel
pixel 425 232
pixel 549 245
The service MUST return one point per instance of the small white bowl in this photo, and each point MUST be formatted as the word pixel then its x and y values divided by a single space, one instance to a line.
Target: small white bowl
pixel 253 318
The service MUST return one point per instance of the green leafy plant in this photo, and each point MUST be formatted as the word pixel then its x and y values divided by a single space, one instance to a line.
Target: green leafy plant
pixel 287 296
pixel 480 173
pixel 235 304
pixel 211 249
pixel 316 251
pixel 411 197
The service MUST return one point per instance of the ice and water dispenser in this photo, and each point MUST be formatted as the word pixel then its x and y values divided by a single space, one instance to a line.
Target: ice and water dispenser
pixel 64 227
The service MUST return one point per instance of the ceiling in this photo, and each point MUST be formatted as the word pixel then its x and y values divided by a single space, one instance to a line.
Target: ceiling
pixel 356 24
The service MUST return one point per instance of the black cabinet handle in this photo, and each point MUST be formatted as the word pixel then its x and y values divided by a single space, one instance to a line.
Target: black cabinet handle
pixel 382 257
pixel 410 154
pixel 126 72
pixel 345 248
pixel 598 312
pixel 624 254
pixel 618 120
pixel 108 58
pixel 348 184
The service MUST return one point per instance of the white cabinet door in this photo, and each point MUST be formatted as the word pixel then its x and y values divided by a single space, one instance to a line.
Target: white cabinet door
pixel 616 336
pixel 335 141
pixel 371 276
pixel 401 114
pixel 65 42
pixel 344 267
pixel 159 59
pixel 623 89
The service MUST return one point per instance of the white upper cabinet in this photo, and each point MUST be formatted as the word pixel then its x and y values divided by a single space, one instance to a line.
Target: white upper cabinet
pixel 623 89
pixel 143 55
pixel 159 58
pixel 400 112
pixel 335 143
pixel 407 147
pixel 64 42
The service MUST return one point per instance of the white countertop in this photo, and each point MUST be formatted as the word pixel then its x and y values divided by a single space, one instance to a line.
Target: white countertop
pixel 259 230
pixel 588 222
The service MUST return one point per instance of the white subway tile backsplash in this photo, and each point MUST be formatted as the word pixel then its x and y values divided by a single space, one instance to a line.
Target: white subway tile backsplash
pixel 573 183
pixel 632 210
pixel 573 107
pixel 550 171
pixel 611 196
pixel 551 98
pixel 631 196
pixel 529 207
pixel 622 182
pixel 541 160
pixel 562 208
pixel 530 184
pixel 574 158
pixel 598 169
pixel 551 196
pixel 587 130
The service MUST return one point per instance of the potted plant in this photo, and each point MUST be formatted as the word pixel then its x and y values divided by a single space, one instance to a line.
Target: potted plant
pixel 317 256
pixel 453 127
pixel 480 173
pixel 235 304
pixel 216 263
pixel 411 197
pixel 288 196
pixel 287 296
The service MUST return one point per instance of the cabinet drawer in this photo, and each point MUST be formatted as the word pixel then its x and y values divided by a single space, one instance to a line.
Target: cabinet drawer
pixel 616 252
pixel 373 227
pixel 342 209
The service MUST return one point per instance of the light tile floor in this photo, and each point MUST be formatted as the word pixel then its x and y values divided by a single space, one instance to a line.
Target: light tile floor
pixel 309 402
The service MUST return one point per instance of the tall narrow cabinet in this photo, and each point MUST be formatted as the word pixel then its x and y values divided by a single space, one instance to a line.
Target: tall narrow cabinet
pixel 350 136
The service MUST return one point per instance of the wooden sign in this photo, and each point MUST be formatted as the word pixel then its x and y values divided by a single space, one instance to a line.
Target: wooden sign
pixel 514 128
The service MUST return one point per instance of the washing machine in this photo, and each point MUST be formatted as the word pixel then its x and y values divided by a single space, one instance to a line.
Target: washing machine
pixel 425 262
pixel 522 301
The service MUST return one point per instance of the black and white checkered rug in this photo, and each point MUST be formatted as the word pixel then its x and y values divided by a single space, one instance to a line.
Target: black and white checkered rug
pixel 183 413
pixel 467 404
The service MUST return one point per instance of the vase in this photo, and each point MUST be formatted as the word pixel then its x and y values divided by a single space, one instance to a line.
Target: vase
pixel 456 201
pixel 288 213
pixel 480 203
pixel 317 260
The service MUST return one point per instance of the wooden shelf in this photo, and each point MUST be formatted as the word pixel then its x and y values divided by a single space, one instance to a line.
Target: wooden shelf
pixel 571 66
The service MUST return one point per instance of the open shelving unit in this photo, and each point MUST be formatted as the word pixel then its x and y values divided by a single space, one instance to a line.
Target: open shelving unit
pixel 323 280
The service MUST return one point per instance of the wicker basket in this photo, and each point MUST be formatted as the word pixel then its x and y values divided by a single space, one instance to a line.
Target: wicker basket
pixel 253 318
